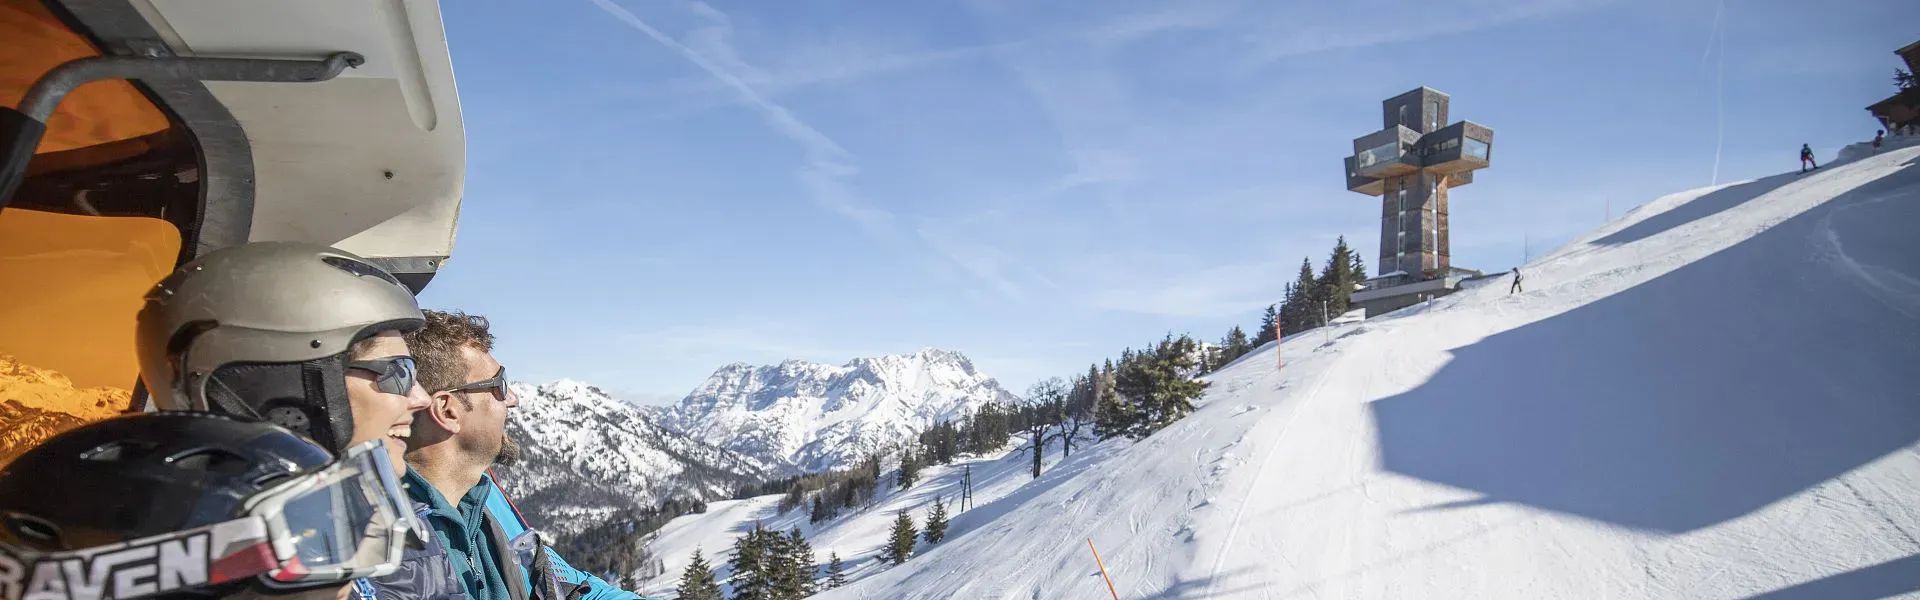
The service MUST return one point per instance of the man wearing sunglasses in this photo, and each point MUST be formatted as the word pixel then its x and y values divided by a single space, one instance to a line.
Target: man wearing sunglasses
pixel 461 434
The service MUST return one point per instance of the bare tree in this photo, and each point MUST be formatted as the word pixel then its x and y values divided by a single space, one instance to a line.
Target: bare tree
pixel 1045 402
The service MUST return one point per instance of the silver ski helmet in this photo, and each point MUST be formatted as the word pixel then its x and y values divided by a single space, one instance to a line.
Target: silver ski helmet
pixel 262 330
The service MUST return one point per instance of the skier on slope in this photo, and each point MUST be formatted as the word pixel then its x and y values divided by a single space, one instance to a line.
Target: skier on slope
pixel 1806 158
pixel 1877 135
pixel 1516 282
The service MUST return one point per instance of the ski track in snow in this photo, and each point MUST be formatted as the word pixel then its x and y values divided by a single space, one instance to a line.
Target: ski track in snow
pixel 1897 290
pixel 1239 513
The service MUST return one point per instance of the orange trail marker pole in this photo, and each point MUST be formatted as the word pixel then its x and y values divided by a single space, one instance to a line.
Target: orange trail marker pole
pixel 1103 569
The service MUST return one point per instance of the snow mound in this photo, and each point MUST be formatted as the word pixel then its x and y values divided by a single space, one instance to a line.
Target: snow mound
pixel 1709 398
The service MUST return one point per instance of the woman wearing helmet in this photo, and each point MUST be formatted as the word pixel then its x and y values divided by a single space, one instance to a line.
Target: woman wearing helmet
pixel 195 505
pixel 301 335
pixel 304 336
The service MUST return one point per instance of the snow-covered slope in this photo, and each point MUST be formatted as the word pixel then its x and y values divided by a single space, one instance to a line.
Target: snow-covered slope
pixel 588 458
pixel 856 535
pixel 1712 397
pixel 813 417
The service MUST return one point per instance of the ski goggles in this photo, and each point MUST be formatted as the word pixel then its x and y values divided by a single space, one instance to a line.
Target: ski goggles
pixel 345 521
pixel 394 374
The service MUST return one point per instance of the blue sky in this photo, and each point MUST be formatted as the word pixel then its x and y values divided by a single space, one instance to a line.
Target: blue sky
pixel 656 188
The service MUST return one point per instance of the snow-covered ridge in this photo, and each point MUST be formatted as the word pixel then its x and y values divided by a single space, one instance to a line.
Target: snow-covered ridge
pixel 1709 398
pixel 587 457
pixel 805 416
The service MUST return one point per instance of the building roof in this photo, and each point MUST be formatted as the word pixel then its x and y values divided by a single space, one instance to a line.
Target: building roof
pixel 1417 90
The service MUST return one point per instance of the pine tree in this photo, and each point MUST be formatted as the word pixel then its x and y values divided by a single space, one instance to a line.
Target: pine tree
pixel 836 571
pixel 1234 346
pixel 796 495
pixel 936 529
pixel 900 540
pixel 696 583
pixel 1289 310
pixel 780 568
pixel 794 579
pixel 821 510
pixel 1302 311
pixel 1159 385
pixel 1266 326
pixel 909 469
pixel 1336 279
pixel 1359 268
pixel 750 566
pixel 1116 414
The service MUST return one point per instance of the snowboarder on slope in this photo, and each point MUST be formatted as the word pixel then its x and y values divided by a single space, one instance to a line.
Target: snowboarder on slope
pixel 1876 140
pixel 1806 158
pixel 1516 283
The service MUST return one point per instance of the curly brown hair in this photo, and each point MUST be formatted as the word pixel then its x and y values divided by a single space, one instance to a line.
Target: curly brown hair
pixel 436 347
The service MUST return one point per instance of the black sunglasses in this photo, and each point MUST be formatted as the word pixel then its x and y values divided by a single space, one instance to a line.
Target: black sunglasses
pixel 497 381
pixel 394 374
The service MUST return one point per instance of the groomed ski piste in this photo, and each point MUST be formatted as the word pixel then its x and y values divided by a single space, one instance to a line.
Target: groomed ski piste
pixel 1711 397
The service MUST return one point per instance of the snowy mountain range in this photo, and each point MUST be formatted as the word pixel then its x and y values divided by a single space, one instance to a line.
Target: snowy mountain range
pixel 587 458
pixel 807 417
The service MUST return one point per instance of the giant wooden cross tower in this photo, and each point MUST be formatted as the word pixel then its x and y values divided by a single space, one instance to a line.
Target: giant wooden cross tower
pixel 1410 164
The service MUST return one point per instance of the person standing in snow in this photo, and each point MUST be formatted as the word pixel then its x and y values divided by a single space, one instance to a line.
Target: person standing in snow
pixel 1516 283
pixel 1876 140
pixel 1806 158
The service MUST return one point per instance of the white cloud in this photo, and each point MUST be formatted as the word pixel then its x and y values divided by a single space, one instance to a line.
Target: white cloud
pixel 983 261
pixel 828 165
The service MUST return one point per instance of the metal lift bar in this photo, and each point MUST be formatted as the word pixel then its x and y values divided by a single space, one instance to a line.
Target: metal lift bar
pixel 22 128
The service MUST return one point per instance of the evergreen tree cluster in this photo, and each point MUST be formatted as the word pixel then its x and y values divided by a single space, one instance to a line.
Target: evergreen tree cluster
pixel 988 429
pixel 1152 388
pixel 825 494
pixel 617 549
pixel 767 565
pixel 1310 300
pixel 904 536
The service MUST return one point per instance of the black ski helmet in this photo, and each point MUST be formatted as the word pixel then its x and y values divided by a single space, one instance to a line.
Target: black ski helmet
pixel 262 330
pixel 141 475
